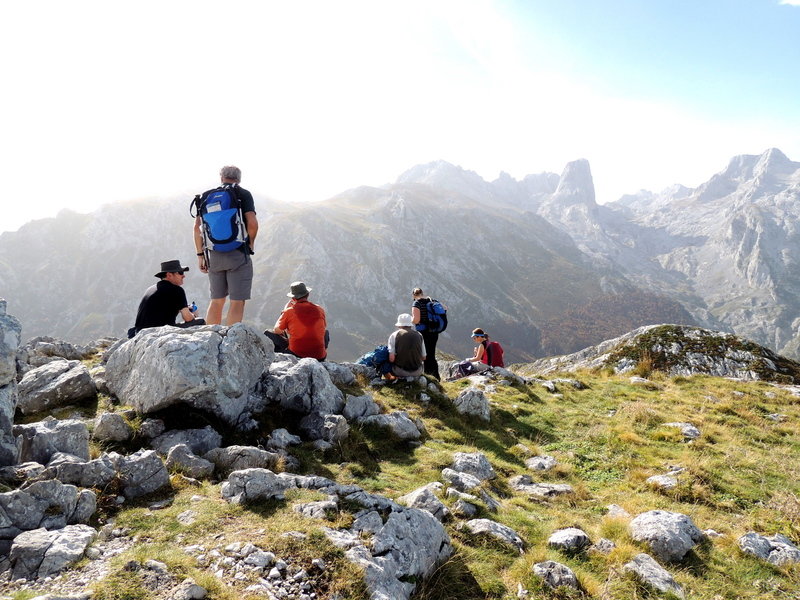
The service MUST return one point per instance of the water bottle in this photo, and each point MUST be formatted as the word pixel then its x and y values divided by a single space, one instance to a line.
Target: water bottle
pixel 193 307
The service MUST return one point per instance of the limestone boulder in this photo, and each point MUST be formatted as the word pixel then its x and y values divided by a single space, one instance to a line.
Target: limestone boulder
pixel 556 575
pixel 10 331
pixel 38 442
pixel 776 550
pixel 473 402
pixel 252 485
pixel 8 404
pixel 66 468
pixel 398 423
pixel 304 386
pixel 140 473
pixel 199 441
pixel 237 458
pixel 180 457
pixel 474 463
pixel 653 575
pixel 669 535
pixel 40 553
pixel 357 407
pixel 58 383
pixel 498 531
pixel 210 368
pixel 424 498
pixel 111 427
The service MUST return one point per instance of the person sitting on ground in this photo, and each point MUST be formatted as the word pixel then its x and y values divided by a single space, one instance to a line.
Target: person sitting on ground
pixel 406 349
pixel 481 359
pixel 305 324
pixel 163 301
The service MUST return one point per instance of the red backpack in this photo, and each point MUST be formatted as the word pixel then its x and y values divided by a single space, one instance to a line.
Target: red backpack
pixel 494 354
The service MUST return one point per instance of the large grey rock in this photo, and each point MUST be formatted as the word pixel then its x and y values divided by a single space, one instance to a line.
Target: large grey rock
pixel 669 535
pixel 472 401
pixel 40 553
pixel 182 458
pixel 200 441
pixel 210 368
pixel 237 458
pixel 9 344
pixel 67 505
pixel 140 473
pixel 408 547
pixel 497 531
pixel 341 375
pixel 281 439
pixel 49 504
pixel 39 441
pixel 570 540
pixel 20 511
pixel 424 498
pixel 10 330
pixel 653 575
pixel 474 463
pixel 556 575
pixel 305 387
pixel 251 485
pixel 316 510
pixel 111 427
pixel 331 428
pixel 8 404
pixel 96 473
pixel 777 549
pixel 360 406
pixel 416 540
pixel 463 482
pixel 398 423
pixel 49 347
pixel 55 384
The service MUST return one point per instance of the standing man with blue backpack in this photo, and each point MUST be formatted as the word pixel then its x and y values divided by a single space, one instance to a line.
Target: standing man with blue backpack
pixel 430 318
pixel 225 229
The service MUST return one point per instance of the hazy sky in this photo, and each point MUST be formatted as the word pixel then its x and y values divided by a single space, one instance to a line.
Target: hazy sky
pixel 105 101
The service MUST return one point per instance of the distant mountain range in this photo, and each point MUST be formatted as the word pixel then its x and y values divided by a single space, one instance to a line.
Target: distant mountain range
pixel 537 263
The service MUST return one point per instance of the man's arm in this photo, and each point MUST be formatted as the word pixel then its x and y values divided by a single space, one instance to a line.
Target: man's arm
pixel 187 314
pixel 198 244
pixel 251 224
pixel 282 323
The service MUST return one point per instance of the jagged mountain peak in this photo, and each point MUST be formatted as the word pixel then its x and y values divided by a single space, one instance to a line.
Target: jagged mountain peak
pixel 438 172
pixel 576 185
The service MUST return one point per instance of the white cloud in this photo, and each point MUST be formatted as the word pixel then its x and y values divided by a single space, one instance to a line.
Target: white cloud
pixel 791 2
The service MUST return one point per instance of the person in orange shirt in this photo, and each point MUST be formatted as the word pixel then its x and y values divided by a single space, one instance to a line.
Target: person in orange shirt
pixel 305 324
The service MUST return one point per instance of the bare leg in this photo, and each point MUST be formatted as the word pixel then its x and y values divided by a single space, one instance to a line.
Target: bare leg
pixel 235 312
pixel 214 314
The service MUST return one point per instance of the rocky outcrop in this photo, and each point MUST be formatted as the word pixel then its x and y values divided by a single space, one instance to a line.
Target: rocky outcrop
pixel 677 350
pixel 10 330
pixel 210 368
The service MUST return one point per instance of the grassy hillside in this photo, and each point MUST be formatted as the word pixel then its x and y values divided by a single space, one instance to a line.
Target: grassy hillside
pixel 741 475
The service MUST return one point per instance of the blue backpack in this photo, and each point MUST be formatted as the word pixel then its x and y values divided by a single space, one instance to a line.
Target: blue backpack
pixel 223 222
pixel 436 321
pixel 378 359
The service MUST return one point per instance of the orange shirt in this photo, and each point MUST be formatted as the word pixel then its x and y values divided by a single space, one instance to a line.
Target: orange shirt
pixel 305 322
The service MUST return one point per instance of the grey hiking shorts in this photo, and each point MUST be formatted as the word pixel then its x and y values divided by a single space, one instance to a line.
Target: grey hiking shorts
pixel 230 274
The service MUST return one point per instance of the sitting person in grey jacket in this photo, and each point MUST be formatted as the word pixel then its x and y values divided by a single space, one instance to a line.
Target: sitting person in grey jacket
pixel 406 349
